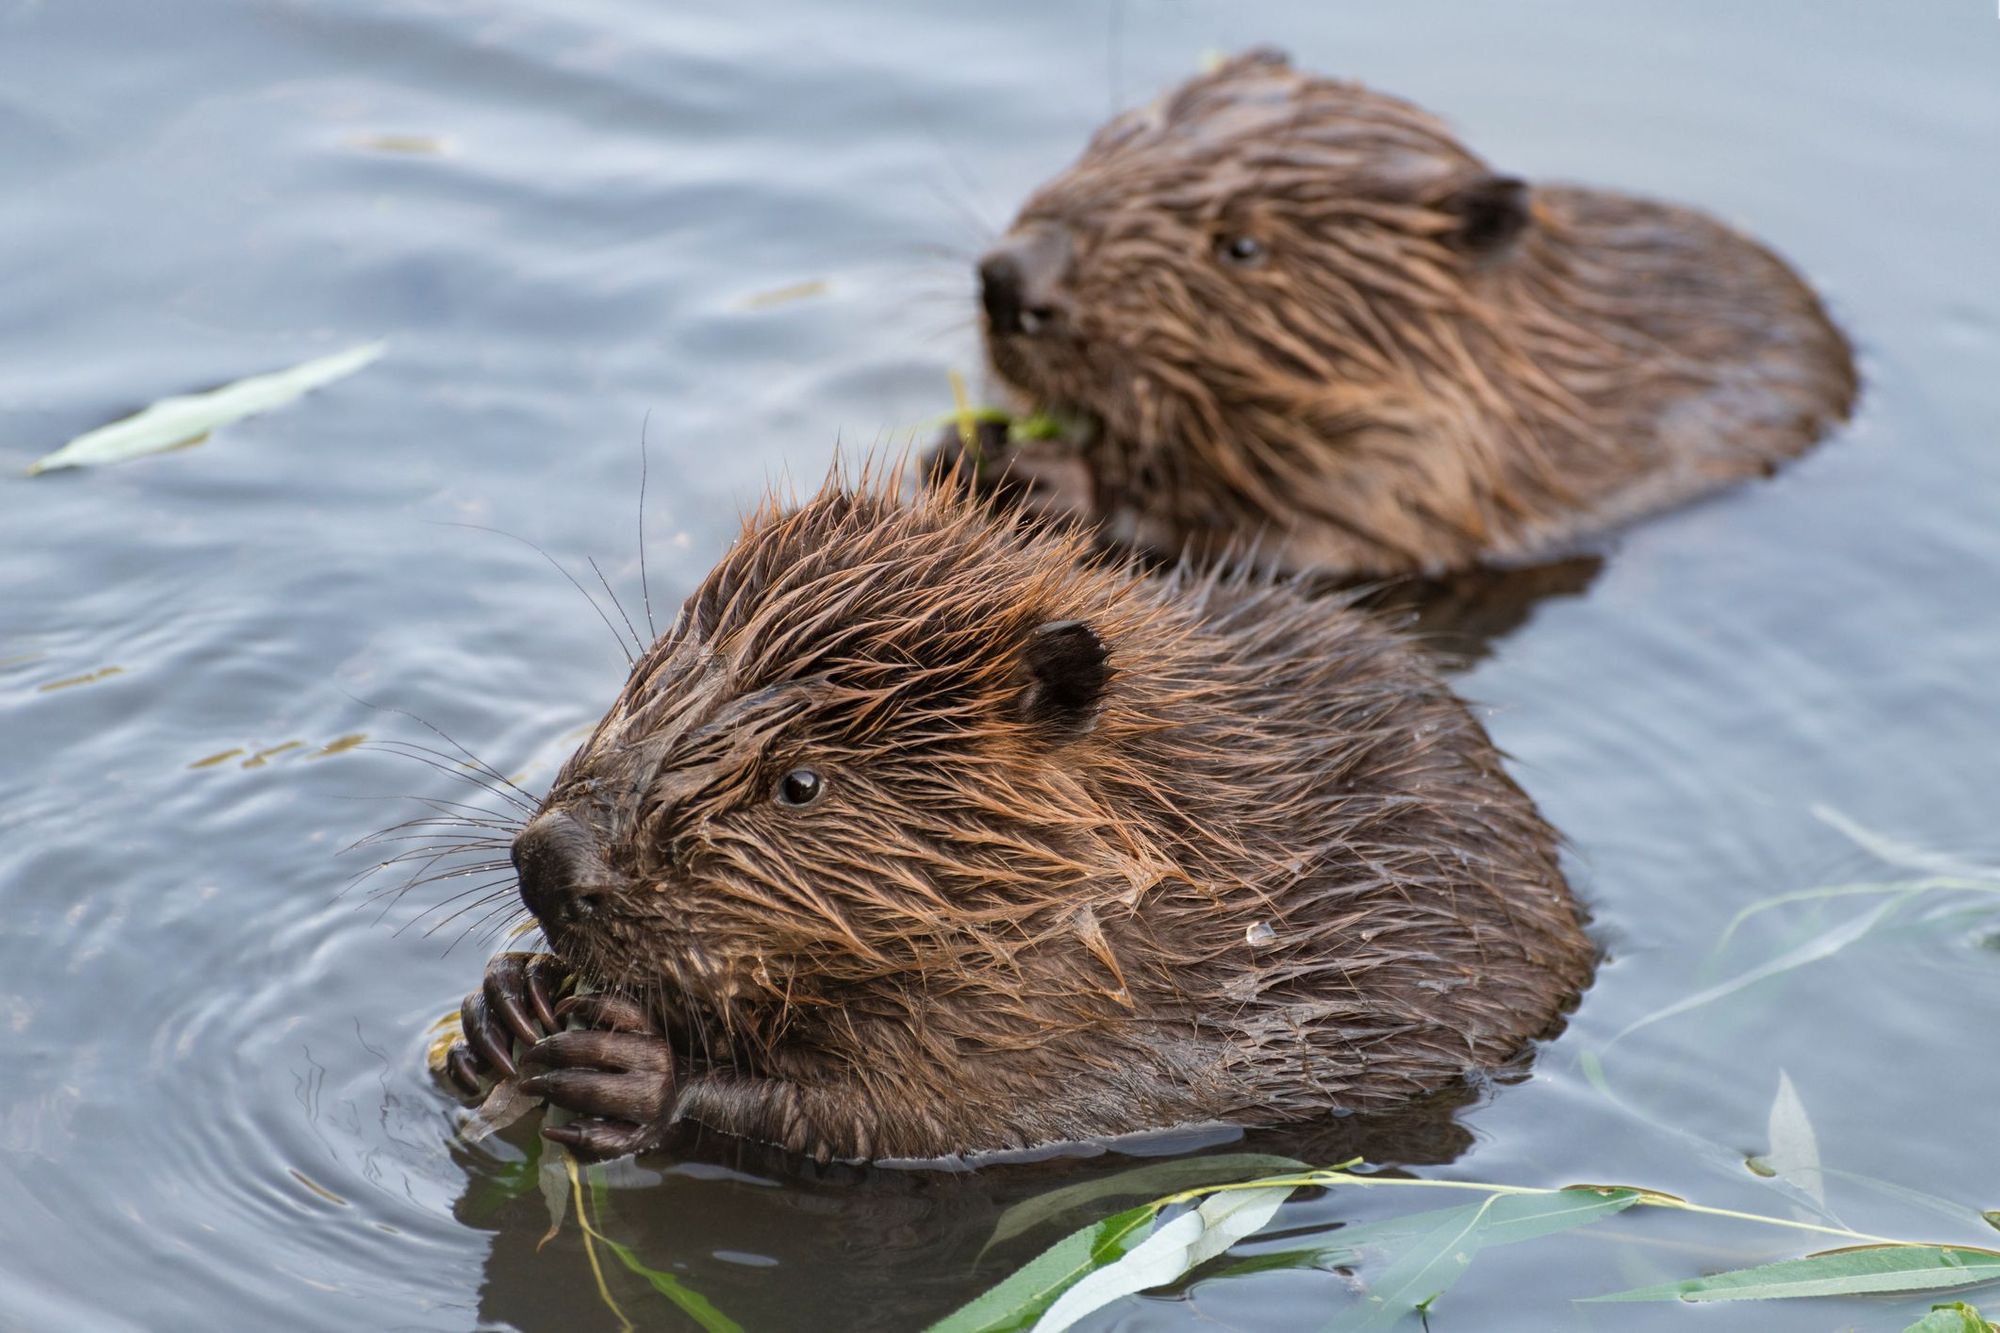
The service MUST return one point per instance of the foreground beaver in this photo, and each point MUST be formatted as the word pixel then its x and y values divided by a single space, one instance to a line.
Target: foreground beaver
pixel 1296 310
pixel 921 834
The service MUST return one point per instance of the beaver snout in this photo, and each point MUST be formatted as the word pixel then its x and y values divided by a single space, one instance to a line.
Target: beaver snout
pixel 1021 282
pixel 555 860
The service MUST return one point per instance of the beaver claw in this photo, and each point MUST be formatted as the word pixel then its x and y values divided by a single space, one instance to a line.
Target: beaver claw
pixel 512 1004
pixel 615 1075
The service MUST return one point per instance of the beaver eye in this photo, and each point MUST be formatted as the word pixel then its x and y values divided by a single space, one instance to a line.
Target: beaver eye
pixel 1240 250
pixel 801 786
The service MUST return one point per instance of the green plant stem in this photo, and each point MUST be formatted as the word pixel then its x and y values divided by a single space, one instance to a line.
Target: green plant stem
pixel 589 1248
pixel 1646 1197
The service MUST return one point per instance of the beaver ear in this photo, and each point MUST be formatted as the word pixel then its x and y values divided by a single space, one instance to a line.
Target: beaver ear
pixel 1066 668
pixel 1491 212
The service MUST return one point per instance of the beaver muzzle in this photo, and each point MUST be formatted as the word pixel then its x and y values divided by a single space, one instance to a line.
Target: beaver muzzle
pixel 556 860
pixel 1021 282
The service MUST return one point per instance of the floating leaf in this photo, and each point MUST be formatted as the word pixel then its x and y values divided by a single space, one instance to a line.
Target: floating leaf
pixel 1017 1302
pixel 427 145
pixel 1178 1247
pixel 777 296
pixel 177 422
pixel 1794 1155
pixel 264 756
pixel 317 1188
pixel 221 756
pixel 1850 1272
pixel 88 678
pixel 1439 1255
pixel 1147 1181
pixel 1958 1317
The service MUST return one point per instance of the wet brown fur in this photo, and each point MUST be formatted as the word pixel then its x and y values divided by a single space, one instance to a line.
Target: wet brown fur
pixel 1011 921
pixel 1388 391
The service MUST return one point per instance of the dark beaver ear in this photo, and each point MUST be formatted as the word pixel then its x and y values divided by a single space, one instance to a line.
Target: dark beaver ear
pixel 1491 212
pixel 1066 667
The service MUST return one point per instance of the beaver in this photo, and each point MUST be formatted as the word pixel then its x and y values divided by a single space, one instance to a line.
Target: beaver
pixel 1294 311
pixel 922 832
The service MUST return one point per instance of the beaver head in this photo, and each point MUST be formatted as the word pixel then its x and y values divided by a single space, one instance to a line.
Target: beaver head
pixel 924 834
pixel 1300 311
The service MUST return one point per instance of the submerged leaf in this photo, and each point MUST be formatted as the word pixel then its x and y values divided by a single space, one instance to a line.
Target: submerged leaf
pixel 691 1302
pixel 1824 945
pixel 186 419
pixel 1896 852
pixel 1149 1181
pixel 508 1182
pixel 1851 1272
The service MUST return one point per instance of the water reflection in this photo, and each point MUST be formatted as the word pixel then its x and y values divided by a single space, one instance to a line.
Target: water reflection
pixel 896 1247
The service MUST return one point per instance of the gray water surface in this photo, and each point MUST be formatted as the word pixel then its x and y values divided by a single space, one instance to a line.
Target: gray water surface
pixel 213 1110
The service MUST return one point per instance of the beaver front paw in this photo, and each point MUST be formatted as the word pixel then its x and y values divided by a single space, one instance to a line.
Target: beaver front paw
pixel 614 1074
pixel 514 1003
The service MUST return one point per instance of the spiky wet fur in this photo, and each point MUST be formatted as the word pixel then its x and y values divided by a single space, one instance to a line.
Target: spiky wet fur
pixel 998 928
pixel 1379 396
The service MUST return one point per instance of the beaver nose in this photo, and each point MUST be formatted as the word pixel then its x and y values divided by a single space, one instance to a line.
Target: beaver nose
pixel 553 860
pixel 1020 282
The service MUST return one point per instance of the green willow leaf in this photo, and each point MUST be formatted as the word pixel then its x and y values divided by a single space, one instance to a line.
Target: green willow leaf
pixel 1020 1300
pixel 1149 1181
pixel 1850 1272
pixel 1437 1257
pixel 1179 1247
pixel 174 423
pixel 1958 1317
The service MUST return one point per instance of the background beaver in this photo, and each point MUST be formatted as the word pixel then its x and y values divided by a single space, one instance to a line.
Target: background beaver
pixel 1296 310
pixel 919 833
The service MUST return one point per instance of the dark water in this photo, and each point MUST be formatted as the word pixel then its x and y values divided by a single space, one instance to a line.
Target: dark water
pixel 213 1111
